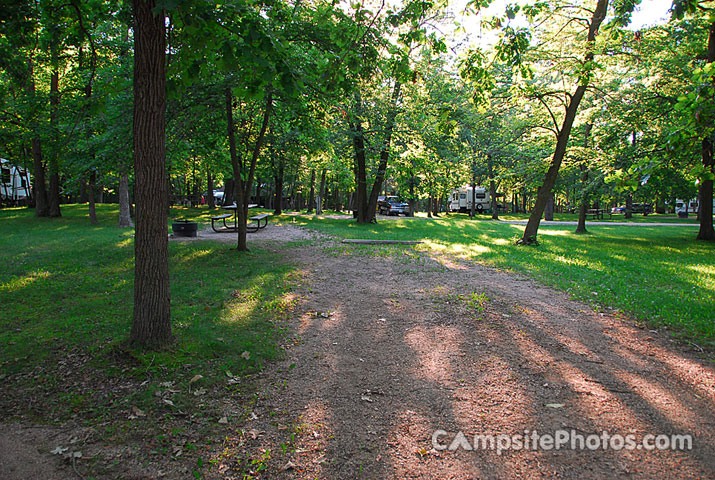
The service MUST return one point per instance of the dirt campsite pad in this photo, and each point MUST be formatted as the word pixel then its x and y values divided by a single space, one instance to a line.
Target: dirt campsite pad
pixel 407 364
pixel 397 352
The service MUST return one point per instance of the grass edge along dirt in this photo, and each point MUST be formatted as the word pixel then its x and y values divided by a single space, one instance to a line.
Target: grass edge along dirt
pixel 658 275
pixel 67 286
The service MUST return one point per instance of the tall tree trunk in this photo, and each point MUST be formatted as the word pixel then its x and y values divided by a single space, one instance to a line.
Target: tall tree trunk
pixel 321 196
pixel 229 191
pixel 83 189
pixel 259 191
pixel 368 215
pixel 54 193
pixel 151 325
pixel 210 181
pixel 532 227
pixel 706 231
pixel 242 188
pixel 39 186
pixel 493 189
pixel 311 197
pixel 413 201
pixel 278 181
pixel 360 171
pixel 125 217
pixel 629 206
pixel 337 200
pixel 92 208
pixel 549 208
pixel 583 204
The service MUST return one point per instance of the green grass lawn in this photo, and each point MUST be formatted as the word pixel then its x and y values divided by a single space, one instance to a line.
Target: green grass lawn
pixel 660 275
pixel 67 286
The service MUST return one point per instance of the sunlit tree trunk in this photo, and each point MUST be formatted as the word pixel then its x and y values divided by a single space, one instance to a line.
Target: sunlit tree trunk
pixel 583 204
pixel 706 231
pixel 532 227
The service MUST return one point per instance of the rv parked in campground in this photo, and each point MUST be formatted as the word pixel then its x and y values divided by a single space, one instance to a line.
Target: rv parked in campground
pixel 15 184
pixel 461 199
pixel 684 207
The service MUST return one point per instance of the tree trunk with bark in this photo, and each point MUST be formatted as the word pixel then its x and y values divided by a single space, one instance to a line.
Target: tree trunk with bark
pixel 228 191
pixel 321 196
pixel 54 193
pixel 39 186
pixel 278 182
pixel 125 218
pixel 492 188
pixel 384 153
pixel 242 188
pixel 706 231
pixel 549 209
pixel 629 207
pixel 583 204
pixel 532 227
pixel 211 201
pixel 92 208
pixel 311 196
pixel 151 325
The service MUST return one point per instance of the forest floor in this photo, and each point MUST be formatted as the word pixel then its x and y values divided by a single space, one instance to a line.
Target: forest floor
pixel 390 345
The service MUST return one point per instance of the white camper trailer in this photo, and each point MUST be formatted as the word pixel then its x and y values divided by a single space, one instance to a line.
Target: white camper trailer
pixel 684 207
pixel 14 184
pixel 461 199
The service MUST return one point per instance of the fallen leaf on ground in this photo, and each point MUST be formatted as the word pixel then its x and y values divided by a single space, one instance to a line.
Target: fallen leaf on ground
pixel 196 378
pixel 246 355
pixel 59 450
pixel 554 405
pixel 223 420
pixel 288 466
pixel 365 398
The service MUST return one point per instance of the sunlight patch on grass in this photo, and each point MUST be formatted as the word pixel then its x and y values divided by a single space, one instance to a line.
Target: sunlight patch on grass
pixel 24 281
pixel 707 270
pixel 196 254
pixel 502 241
pixel 458 248
pixel 554 233
pixel 125 243
pixel 573 261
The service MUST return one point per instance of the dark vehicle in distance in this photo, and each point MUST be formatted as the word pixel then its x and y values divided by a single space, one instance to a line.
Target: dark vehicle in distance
pixel 392 205
pixel 644 208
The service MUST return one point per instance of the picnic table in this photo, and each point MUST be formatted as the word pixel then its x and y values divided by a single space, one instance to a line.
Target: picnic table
pixel 234 228
pixel 598 213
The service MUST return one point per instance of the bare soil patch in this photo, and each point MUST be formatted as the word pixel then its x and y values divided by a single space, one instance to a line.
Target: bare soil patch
pixel 394 345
